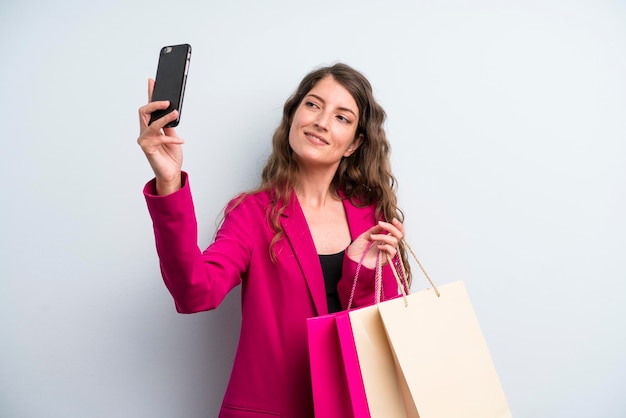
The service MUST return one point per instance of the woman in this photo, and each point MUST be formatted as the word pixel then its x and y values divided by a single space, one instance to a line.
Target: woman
pixel 294 243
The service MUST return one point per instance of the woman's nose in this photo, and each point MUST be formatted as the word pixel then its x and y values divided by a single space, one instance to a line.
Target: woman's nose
pixel 322 120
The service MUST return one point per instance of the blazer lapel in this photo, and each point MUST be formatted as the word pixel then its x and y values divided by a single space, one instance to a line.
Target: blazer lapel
pixel 360 219
pixel 299 236
pixel 297 232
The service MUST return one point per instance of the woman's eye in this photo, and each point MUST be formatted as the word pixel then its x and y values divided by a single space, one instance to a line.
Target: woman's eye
pixel 343 119
pixel 310 104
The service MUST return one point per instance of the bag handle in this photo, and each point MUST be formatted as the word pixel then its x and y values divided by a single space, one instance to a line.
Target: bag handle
pixel 356 274
pixel 403 284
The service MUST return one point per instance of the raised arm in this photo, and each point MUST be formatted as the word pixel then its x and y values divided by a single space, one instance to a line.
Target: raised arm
pixel 162 146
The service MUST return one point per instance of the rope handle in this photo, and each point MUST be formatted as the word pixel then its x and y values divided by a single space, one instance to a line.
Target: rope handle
pixel 356 274
pixel 403 283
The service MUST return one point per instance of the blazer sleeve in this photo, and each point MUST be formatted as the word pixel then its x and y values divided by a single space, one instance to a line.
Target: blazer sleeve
pixel 198 281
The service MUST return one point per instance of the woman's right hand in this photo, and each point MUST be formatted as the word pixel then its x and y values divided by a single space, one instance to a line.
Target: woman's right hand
pixel 162 146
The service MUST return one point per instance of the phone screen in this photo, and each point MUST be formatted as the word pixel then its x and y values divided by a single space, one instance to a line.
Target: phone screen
pixel 171 79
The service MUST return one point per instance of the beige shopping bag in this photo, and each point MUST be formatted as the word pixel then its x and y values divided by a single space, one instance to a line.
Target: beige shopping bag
pixel 438 345
pixel 384 387
pixel 424 356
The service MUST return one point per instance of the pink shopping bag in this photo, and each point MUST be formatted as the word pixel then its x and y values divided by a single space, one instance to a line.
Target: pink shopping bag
pixel 338 390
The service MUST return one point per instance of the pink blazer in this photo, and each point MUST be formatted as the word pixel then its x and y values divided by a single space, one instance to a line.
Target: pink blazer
pixel 271 375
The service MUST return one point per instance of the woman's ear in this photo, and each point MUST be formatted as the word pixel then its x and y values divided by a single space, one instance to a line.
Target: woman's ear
pixel 354 145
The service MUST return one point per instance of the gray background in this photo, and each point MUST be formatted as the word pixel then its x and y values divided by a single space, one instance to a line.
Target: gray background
pixel 507 122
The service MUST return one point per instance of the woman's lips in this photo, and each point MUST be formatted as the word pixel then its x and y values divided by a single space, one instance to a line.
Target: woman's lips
pixel 316 138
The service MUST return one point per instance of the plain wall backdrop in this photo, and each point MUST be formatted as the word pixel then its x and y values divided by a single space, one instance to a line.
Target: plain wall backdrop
pixel 508 128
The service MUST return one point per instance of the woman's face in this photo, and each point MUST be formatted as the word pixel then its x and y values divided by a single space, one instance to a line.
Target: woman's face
pixel 324 126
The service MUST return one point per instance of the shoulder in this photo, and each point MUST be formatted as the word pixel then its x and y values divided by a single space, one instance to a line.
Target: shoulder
pixel 360 217
pixel 355 206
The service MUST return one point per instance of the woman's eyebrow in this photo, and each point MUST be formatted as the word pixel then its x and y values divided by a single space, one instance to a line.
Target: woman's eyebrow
pixel 345 109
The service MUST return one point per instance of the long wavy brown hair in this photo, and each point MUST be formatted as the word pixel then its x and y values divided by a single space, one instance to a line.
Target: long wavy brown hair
pixel 364 177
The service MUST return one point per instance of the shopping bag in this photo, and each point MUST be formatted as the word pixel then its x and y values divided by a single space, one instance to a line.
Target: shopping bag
pixel 328 379
pixel 442 355
pixel 336 381
pixel 423 355
pixel 384 386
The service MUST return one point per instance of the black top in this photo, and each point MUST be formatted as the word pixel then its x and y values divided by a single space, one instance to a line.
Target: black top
pixel 331 267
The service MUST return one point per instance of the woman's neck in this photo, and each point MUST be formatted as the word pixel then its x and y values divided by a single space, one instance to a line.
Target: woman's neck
pixel 314 195
pixel 314 187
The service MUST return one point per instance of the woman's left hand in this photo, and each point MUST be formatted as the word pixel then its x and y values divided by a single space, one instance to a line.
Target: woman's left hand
pixel 385 237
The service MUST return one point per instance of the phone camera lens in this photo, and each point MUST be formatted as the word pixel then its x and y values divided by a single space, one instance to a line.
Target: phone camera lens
pixel 167 49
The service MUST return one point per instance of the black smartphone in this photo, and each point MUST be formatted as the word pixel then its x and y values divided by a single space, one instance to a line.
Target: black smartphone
pixel 171 78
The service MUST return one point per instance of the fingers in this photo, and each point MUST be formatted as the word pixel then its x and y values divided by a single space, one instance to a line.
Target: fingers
pixel 146 111
pixel 391 233
pixel 162 122
pixel 150 143
pixel 157 134
pixel 152 106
